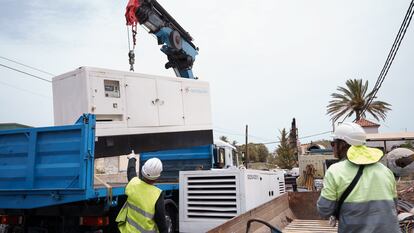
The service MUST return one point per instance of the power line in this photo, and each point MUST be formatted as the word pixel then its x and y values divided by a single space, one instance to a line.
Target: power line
pixel 23 72
pixel 314 135
pixel 268 141
pixel 25 90
pixel 239 134
pixel 31 67
pixel 229 131
pixel 224 130
pixel 307 136
pixel 394 46
pixel 391 55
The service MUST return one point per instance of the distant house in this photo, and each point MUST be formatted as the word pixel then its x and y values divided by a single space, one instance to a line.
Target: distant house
pixel 369 126
pixel 314 147
pixel 5 126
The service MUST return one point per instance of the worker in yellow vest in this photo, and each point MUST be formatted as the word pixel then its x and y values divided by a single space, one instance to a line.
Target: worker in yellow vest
pixel 144 209
pixel 358 191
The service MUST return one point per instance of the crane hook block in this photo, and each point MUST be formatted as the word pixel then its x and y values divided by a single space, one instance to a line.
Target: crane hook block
pixel 131 56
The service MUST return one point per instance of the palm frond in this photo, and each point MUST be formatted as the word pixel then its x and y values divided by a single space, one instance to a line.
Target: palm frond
pixel 351 100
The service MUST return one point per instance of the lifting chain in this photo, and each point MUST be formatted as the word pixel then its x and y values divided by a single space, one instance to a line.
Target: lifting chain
pixel 131 53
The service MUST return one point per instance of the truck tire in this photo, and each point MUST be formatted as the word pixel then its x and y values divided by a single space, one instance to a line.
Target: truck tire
pixel 169 222
pixel 171 219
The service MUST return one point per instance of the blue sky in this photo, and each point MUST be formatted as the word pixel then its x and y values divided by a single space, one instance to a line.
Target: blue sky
pixel 266 61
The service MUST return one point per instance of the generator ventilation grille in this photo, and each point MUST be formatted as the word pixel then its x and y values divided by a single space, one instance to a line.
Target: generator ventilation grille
pixel 211 197
pixel 282 189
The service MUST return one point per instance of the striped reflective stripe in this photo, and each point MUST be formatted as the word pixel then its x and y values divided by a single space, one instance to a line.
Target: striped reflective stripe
pixel 325 207
pixel 139 210
pixel 138 227
pixel 373 216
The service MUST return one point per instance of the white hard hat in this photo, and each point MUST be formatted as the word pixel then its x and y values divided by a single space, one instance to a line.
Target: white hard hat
pixel 351 133
pixel 152 169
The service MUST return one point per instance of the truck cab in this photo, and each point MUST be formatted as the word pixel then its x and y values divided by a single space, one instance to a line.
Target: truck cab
pixel 224 155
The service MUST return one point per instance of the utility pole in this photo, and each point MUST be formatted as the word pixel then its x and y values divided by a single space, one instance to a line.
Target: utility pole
pixel 246 154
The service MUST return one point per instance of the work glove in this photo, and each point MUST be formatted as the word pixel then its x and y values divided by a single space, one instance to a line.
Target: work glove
pixel 332 221
pixel 132 155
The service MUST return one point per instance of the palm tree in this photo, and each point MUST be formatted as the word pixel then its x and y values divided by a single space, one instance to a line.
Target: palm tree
pixel 353 99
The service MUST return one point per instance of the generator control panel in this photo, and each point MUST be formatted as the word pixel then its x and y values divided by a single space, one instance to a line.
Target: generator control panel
pixel 112 89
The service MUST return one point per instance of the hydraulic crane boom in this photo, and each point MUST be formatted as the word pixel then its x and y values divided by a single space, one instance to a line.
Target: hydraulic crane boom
pixel 176 42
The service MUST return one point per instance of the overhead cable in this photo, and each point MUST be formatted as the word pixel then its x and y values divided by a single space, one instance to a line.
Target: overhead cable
pixel 307 136
pixel 23 72
pixel 25 90
pixel 31 67
pixel 402 29
pixel 393 51
pixel 218 129
pixel 318 134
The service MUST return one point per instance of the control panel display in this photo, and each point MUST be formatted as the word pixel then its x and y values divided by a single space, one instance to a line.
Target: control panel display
pixel 112 89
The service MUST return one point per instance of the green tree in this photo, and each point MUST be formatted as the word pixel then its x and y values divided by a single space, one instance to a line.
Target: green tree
pixel 351 100
pixel 285 157
pixel 262 152
pixel 257 152
pixel 408 145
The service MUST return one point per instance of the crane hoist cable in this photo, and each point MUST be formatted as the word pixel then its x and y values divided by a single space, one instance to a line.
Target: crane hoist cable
pixel 31 67
pixel 175 42
pixel 132 26
pixel 131 53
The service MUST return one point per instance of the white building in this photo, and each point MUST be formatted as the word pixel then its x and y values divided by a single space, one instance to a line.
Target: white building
pixel 384 141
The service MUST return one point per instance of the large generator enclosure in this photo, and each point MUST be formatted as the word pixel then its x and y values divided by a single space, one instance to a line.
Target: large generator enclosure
pixel 209 198
pixel 138 111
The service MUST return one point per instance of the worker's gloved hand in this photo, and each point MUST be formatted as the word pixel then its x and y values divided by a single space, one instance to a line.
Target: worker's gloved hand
pixel 132 155
pixel 332 221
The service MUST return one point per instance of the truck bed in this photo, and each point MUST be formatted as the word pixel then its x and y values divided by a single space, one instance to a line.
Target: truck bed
pixel 309 226
pixel 293 212
pixel 50 166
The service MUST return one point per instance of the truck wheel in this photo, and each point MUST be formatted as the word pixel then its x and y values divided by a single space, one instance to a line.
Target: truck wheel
pixel 169 221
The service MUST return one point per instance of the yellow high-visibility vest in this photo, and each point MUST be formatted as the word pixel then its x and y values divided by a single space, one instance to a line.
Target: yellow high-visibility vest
pixel 370 207
pixel 137 214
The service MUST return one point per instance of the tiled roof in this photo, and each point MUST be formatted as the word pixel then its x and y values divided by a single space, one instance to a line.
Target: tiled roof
pixel 366 123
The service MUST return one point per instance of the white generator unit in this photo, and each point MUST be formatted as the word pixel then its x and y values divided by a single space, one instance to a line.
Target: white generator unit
pixel 209 198
pixel 135 111
pixel 131 103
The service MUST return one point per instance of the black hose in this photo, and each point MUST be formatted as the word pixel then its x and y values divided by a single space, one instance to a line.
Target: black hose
pixel 272 228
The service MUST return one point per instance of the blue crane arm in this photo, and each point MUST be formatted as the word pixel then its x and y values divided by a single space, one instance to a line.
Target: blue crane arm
pixel 176 42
